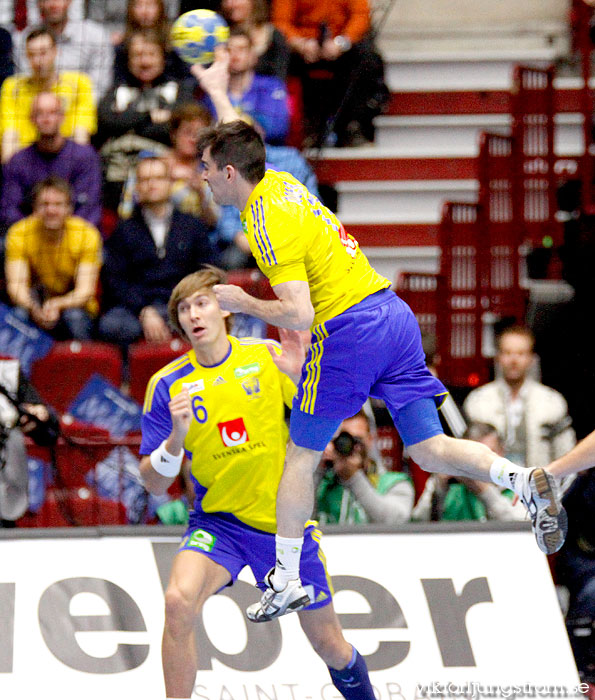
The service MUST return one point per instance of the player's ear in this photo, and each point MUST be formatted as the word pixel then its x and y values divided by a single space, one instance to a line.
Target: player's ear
pixel 225 313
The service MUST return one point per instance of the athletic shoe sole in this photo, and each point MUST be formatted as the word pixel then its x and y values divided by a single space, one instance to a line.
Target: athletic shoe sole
pixel 551 521
pixel 256 614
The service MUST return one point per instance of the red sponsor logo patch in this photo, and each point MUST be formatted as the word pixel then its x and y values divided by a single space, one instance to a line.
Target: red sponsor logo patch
pixel 233 432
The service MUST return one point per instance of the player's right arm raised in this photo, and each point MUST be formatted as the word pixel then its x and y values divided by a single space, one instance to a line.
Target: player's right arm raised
pixel 162 466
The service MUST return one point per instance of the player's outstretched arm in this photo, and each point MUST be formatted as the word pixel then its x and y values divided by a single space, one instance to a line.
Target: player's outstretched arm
pixel 293 354
pixel 292 309
pixel 580 457
pixel 162 466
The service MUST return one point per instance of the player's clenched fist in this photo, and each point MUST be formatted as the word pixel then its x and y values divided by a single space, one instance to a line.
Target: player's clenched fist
pixel 181 413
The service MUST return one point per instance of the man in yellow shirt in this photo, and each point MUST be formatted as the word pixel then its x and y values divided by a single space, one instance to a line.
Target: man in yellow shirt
pixel 18 92
pixel 221 405
pixel 365 342
pixel 52 264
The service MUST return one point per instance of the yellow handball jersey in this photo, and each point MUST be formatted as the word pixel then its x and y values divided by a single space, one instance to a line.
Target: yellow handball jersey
pixel 238 436
pixel 295 238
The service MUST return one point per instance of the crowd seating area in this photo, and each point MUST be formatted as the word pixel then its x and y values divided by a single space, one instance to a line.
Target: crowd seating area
pixel 481 275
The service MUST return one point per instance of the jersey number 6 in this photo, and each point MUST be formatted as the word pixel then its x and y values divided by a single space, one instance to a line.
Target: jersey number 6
pixel 200 412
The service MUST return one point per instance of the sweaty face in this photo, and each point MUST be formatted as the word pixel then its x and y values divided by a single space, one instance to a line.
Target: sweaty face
pixel 216 179
pixel 41 54
pixel 47 115
pixel 146 61
pixel 515 356
pixel 153 182
pixel 52 207
pixel 201 318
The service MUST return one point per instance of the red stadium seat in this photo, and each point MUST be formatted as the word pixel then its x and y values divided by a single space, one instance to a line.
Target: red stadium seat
pixel 78 507
pixel 147 358
pixel 63 372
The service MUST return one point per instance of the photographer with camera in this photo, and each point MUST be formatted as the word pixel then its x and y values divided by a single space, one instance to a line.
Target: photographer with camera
pixel 22 413
pixel 355 488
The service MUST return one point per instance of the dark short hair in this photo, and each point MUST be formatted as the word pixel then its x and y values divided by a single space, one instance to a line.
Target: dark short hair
pixel 40 31
pixel 516 330
pixel 239 30
pixel 188 112
pixel 204 279
pixel 52 182
pixel 236 143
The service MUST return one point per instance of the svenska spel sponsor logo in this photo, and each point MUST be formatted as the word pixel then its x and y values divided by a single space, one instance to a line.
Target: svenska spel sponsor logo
pixel 233 432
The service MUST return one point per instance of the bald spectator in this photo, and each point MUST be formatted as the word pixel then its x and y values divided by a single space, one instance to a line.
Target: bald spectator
pixel 51 154
pixel 83 45
pixel 19 91
pixel 52 264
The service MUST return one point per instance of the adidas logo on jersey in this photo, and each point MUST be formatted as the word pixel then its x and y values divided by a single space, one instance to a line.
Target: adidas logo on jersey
pixel 219 381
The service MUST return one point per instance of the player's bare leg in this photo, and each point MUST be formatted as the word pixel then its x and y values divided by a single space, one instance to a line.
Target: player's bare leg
pixel 536 488
pixel 347 668
pixel 193 579
pixel 295 503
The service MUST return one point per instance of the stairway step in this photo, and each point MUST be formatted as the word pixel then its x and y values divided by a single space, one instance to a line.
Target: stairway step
pixel 395 234
pixel 411 201
pixel 568 98
pixel 350 164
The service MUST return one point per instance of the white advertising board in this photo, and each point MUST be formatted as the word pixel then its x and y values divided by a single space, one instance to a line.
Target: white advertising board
pixel 460 615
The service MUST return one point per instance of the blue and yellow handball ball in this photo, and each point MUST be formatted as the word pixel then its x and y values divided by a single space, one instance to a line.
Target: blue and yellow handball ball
pixel 196 34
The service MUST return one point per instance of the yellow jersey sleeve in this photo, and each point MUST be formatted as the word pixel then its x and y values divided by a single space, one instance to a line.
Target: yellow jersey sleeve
pixel 8 118
pixel 293 236
pixel 272 233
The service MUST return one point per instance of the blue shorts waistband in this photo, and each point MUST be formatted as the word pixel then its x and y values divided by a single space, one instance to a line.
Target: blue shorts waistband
pixel 382 296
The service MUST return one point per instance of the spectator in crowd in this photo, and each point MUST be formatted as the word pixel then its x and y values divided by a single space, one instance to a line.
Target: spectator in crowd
pixel 22 413
pixel 332 40
pixel 448 498
pixel 189 193
pixel 269 44
pixel 354 487
pixel 140 15
pixel 19 91
pixel 532 418
pixel 229 234
pixel 52 154
pixel 262 98
pixel 52 264
pixel 83 45
pixel 146 256
pixel 134 115
pixel 6 62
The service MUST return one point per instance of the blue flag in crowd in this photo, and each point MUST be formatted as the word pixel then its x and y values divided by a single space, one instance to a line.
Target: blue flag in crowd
pixel 101 404
pixel 21 339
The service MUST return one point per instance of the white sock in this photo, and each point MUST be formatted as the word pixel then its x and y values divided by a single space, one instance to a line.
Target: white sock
pixel 287 565
pixel 504 473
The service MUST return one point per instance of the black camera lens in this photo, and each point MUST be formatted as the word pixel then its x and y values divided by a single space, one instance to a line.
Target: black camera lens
pixel 345 443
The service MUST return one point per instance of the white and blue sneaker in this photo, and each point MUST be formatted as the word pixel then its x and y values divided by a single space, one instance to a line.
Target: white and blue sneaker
pixel 539 494
pixel 292 598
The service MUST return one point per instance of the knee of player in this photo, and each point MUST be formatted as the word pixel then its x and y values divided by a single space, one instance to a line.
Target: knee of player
pixel 431 454
pixel 180 611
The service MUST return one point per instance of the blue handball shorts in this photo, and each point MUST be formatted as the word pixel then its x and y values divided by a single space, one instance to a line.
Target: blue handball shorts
pixel 371 349
pixel 234 545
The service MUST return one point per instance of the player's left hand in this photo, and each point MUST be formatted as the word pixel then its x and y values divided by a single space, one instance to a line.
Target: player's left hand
pixel 230 297
pixel 293 354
